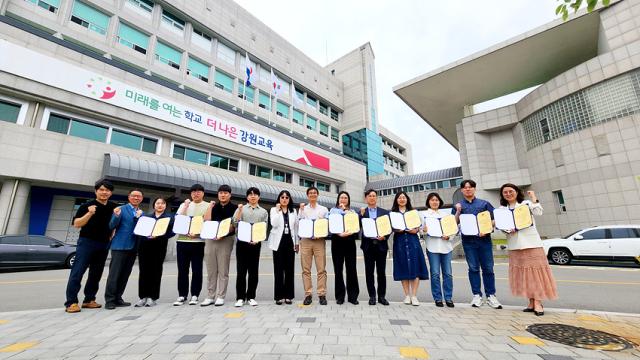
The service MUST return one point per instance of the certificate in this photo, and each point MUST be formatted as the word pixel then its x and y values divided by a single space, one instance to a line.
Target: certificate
pixel 150 227
pixel 518 218
pixel 408 220
pixel 381 226
pixel 216 229
pixel 184 224
pixel 313 229
pixel 439 227
pixel 347 223
pixel 248 232
pixel 476 224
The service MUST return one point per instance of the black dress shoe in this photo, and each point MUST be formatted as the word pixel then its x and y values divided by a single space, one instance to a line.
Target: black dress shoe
pixel 323 300
pixel 527 310
pixel 539 313
pixel 340 301
pixel 288 301
pixel 278 302
pixel 372 301
pixel 383 301
pixel 354 301
pixel 307 300
pixel 449 303
pixel 110 306
pixel 122 303
pixel 439 303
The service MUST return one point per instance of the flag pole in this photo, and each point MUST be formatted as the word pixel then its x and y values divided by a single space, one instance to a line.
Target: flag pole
pixel 244 91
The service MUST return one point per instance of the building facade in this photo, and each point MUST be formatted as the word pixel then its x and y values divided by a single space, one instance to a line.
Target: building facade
pixel 574 139
pixel 152 94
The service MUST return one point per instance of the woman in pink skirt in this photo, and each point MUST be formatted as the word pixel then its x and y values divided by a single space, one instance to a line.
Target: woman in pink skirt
pixel 529 272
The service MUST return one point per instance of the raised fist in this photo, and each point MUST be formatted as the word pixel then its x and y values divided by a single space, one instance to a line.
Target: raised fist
pixel 92 209
pixel 458 207
pixel 138 213
pixel 362 211
pixel 116 211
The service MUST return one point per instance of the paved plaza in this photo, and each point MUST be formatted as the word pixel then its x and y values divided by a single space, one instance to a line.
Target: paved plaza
pixel 269 331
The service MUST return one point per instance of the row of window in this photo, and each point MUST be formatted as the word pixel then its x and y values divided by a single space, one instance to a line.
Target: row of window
pixel 320 185
pixel 97 21
pixel 269 173
pixel 204 158
pixel 393 146
pixel 394 163
pixel 433 185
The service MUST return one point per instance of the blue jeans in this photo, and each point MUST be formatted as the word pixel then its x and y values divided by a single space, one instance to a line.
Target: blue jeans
pixel 439 261
pixel 90 254
pixel 479 255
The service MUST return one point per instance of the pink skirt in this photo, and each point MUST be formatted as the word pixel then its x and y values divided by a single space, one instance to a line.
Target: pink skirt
pixel 530 275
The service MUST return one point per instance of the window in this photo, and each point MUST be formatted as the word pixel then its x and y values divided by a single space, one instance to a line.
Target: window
pixel 249 93
pixel 595 234
pixel 265 101
pixel 282 109
pixel 265 75
pixel 198 69
pixel 222 162
pixel 311 123
pixel 172 21
pixel 311 101
pixel 307 182
pixel 223 81
pixel 50 5
pixel 144 5
pixel 40 240
pixel 201 39
pixel 9 112
pixel 260 171
pixel 323 186
pixel 300 95
pixel 281 176
pixel 13 240
pixel 622 233
pixel 559 199
pixel 324 129
pixel 185 153
pixel 73 127
pixel 324 109
pixel 298 117
pixel 334 115
pixel 168 55
pixel 87 16
pixel 133 38
pixel 544 127
pixel 135 142
pixel 335 135
pixel 226 54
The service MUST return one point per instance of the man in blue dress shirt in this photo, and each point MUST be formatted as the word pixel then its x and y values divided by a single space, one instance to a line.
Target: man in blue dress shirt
pixel 124 247
pixel 478 249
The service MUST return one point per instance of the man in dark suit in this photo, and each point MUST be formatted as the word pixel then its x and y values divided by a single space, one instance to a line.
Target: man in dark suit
pixel 375 251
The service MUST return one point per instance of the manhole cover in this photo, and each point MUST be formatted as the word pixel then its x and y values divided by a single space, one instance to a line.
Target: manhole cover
pixel 580 337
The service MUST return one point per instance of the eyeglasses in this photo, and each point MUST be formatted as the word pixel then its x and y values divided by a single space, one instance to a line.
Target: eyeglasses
pixel 509 192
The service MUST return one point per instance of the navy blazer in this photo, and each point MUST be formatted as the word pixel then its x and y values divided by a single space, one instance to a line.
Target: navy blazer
pixel 367 243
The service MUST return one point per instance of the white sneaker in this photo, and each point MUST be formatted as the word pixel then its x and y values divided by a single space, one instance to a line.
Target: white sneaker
pixel 414 301
pixel 193 301
pixel 239 303
pixel 142 302
pixel 492 300
pixel 253 302
pixel 180 301
pixel 407 300
pixel 477 301
pixel 206 302
pixel 150 302
pixel 219 302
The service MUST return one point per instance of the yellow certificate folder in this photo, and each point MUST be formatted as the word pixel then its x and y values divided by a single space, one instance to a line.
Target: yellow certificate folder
pixel 255 232
pixel 408 220
pixel 347 223
pixel 184 224
pixel 522 217
pixel 439 227
pixel 216 229
pixel 476 224
pixel 150 227
pixel 381 226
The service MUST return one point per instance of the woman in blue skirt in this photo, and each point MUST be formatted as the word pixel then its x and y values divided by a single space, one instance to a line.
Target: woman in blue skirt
pixel 409 265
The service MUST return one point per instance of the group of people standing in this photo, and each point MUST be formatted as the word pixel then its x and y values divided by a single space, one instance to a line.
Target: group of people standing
pixel 105 226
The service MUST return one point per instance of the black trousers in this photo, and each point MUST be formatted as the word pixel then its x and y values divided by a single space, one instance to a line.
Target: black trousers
pixel 119 270
pixel 247 262
pixel 189 254
pixel 375 259
pixel 343 254
pixel 90 254
pixel 151 256
pixel 283 269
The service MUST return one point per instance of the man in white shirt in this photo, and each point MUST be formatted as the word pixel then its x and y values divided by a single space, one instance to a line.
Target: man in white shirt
pixel 313 249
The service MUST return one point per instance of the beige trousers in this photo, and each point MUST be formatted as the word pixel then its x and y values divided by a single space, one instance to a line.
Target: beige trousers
pixel 313 250
pixel 217 254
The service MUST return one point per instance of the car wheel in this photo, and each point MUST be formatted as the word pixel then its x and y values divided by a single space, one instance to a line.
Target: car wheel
pixel 560 256
pixel 70 260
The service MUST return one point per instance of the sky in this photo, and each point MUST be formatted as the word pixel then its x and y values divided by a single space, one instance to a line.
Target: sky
pixel 409 38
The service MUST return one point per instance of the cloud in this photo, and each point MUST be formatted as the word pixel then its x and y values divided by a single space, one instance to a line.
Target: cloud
pixel 409 38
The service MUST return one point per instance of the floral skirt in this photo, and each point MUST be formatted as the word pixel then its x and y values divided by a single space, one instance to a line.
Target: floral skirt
pixel 530 275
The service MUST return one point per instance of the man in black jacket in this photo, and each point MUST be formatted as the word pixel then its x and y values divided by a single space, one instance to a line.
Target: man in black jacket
pixel 375 251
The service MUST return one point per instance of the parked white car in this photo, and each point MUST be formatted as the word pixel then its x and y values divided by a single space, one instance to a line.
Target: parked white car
pixel 608 242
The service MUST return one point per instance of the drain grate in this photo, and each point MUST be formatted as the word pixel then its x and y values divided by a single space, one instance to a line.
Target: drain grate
pixel 580 337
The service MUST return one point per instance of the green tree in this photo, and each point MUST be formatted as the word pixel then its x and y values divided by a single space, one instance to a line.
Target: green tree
pixel 566 5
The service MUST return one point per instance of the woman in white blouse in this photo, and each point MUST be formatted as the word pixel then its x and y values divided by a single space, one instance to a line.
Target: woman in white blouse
pixel 284 243
pixel 439 253
pixel 529 272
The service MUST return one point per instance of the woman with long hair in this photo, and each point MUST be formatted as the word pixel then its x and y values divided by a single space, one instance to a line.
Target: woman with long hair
pixel 529 271
pixel 343 254
pixel 283 241
pixel 409 265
